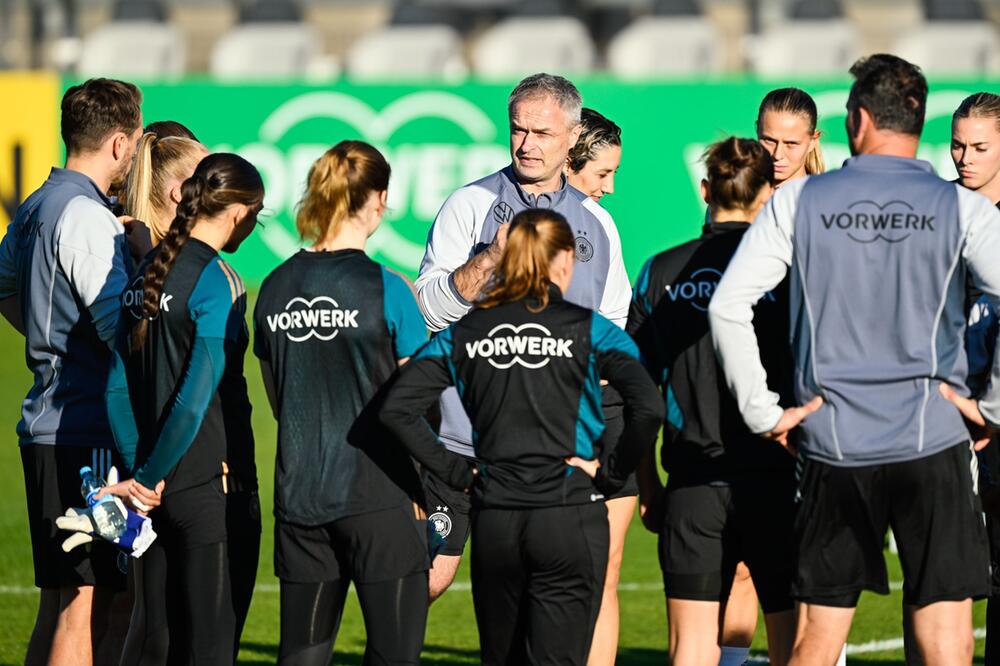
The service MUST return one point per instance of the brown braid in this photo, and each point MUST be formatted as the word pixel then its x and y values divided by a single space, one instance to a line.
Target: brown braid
pixel 219 180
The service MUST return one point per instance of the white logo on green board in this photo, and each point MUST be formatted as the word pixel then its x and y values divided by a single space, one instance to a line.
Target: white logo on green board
pixel 424 171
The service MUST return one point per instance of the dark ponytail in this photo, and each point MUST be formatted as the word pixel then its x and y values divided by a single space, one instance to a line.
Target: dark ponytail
pixel 220 180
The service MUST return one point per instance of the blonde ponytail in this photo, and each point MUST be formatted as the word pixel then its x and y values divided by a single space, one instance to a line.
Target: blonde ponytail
pixel 339 184
pixel 814 160
pixel 535 237
pixel 157 163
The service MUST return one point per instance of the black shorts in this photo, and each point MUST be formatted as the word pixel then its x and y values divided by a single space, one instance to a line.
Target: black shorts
pixel 52 485
pixel 367 548
pixel 932 507
pixel 614 425
pixel 448 509
pixel 709 529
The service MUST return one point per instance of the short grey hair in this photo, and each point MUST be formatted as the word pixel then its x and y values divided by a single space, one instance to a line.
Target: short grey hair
pixel 549 85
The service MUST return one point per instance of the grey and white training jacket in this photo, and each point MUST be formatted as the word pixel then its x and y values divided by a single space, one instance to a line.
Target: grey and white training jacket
pixel 467 224
pixel 64 256
pixel 878 253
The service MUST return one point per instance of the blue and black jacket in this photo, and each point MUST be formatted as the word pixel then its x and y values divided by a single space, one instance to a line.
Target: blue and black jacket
pixel 530 381
pixel 332 328
pixel 178 404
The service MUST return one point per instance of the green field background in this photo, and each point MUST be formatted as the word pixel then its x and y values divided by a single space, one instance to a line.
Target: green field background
pixel 438 138
pixel 451 631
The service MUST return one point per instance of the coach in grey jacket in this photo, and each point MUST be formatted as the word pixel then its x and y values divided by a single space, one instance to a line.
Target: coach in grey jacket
pixel 468 237
pixel 63 266
pixel 877 254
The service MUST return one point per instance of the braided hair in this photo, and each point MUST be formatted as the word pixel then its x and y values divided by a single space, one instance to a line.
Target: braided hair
pixel 220 180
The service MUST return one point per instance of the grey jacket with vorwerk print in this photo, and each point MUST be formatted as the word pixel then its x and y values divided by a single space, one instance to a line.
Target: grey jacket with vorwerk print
pixel 878 254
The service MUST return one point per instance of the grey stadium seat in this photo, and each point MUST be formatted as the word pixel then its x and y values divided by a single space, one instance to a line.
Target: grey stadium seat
pixel 265 51
pixel 641 50
pixel 408 52
pixel 133 49
pixel 804 47
pixel 517 46
pixel 952 47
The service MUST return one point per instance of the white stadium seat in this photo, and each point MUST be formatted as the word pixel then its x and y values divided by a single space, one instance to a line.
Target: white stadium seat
pixel 133 49
pixel 518 46
pixel 408 52
pixel 952 47
pixel 804 47
pixel 265 51
pixel 654 47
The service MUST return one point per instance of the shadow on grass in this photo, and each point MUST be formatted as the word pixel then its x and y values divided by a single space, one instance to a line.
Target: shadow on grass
pixel 432 654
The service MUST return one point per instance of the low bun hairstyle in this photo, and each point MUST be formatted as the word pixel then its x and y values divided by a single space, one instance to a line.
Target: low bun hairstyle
pixel 737 170
pixel 339 185
pixel 535 237
pixel 219 180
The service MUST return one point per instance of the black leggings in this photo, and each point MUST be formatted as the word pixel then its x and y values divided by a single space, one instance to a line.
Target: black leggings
pixel 395 613
pixel 183 610
pixel 243 529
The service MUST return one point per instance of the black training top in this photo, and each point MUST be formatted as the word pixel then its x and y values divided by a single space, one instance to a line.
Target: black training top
pixel 530 382
pixel 178 404
pixel 333 326
pixel 705 438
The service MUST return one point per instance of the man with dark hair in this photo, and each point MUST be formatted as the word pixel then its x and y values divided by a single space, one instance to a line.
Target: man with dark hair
pixel 465 244
pixel 63 266
pixel 877 255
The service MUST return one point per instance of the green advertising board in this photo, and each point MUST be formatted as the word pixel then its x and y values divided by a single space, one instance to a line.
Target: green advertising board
pixel 438 138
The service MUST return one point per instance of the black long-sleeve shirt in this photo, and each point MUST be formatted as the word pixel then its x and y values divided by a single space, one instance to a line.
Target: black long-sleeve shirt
pixel 530 382
pixel 705 438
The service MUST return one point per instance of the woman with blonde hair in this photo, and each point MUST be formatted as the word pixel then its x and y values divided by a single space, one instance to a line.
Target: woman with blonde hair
pixel 528 367
pixel 786 127
pixel 331 328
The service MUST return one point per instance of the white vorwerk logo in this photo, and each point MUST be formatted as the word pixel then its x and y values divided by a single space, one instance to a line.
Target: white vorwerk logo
pixel 134 295
pixel 698 289
pixel 511 348
pixel 321 318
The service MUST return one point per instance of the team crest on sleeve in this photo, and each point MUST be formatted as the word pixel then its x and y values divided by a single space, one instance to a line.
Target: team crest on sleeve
pixel 321 318
pixel 441 521
pixel 529 345
pixel 584 248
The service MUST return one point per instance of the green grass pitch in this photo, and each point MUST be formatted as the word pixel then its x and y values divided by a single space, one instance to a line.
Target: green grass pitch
pixel 451 630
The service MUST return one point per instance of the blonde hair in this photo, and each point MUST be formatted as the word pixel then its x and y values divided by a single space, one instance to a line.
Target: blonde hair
pixel 979 105
pixel 798 102
pixel 157 163
pixel 339 184
pixel 536 236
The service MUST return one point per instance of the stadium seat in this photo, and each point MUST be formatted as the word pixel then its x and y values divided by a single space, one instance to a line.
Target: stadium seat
pixel 804 47
pixel 517 46
pixel 133 49
pixel 953 10
pixel 409 52
pixel 265 51
pixel 952 47
pixel 638 51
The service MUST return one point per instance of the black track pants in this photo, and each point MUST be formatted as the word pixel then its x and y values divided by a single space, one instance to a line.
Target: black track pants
pixel 537 579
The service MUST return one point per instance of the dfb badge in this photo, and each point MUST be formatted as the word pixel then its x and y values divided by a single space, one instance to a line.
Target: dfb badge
pixel 441 521
pixel 584 248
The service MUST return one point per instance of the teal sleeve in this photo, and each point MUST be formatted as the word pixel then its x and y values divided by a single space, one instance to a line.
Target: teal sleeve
pixel 119 405
pixel 402 315
pixel 213 309
pixel 200 381
pixel 606 337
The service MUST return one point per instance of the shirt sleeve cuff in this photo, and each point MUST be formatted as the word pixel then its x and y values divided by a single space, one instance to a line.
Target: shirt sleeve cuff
pixel 456 293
